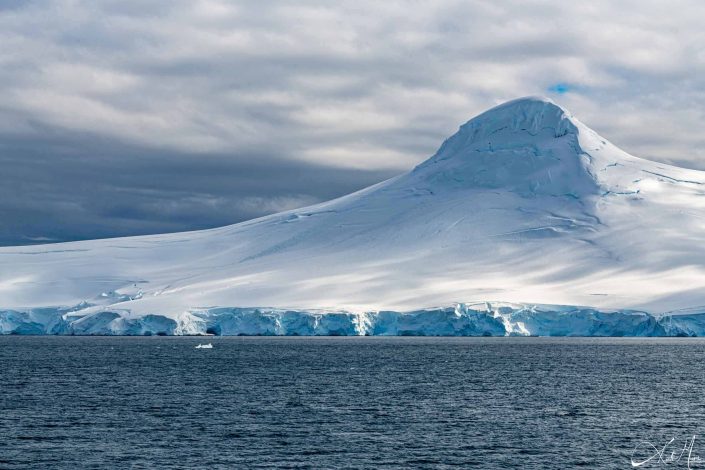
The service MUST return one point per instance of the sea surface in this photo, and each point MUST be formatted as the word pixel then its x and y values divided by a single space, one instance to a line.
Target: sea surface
pixel 366 402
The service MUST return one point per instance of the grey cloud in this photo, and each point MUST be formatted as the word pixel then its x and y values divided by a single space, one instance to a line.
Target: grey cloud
pixel 126 117
pixel 79 187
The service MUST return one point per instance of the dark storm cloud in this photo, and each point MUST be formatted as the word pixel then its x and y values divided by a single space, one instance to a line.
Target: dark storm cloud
pixel 78 186
pixel 129 117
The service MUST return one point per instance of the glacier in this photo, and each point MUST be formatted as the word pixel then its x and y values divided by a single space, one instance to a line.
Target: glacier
pixel 524 204
pixel 484 319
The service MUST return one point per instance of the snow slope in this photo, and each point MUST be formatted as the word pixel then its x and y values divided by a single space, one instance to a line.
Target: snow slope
pixel 524 207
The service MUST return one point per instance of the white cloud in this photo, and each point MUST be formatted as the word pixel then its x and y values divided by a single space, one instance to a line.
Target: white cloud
pixel 212 75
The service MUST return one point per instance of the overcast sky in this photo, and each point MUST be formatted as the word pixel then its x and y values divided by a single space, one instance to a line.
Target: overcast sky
pixel 140 116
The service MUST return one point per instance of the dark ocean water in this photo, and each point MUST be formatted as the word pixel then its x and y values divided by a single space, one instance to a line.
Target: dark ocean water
pixel 155 402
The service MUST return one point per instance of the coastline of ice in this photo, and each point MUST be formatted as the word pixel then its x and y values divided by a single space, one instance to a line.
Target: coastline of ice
pixel 480 319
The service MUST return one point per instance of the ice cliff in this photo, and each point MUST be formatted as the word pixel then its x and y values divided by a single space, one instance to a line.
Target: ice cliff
pixel 484 319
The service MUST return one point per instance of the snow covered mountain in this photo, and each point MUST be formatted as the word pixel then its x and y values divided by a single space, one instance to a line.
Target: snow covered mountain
pixel 520 218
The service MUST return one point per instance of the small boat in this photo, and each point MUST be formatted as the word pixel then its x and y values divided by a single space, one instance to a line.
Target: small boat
pixel 205 346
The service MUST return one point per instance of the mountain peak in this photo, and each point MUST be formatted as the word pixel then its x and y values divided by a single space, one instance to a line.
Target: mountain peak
pixel 532 115
pixel 529 146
